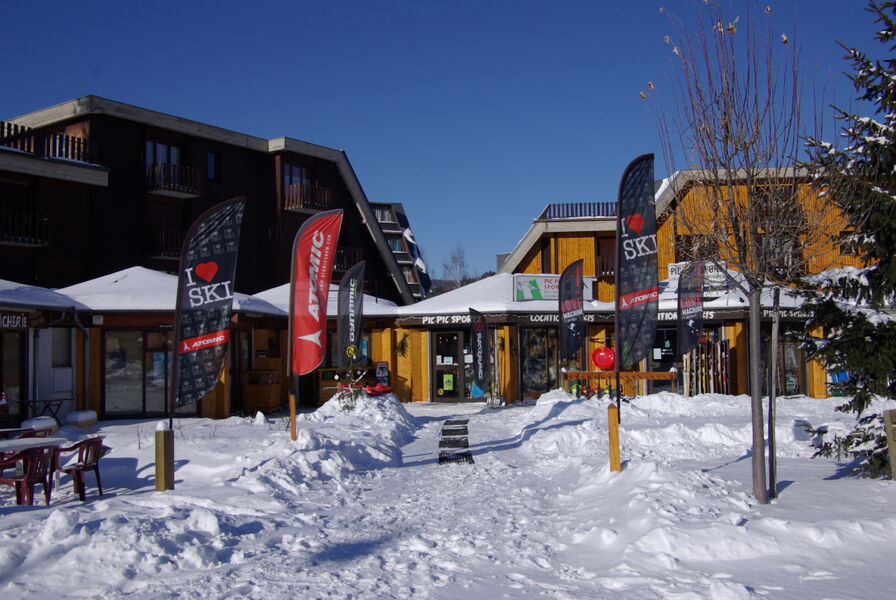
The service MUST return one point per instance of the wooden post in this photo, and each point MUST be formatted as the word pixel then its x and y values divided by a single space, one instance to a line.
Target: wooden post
pixel 292 416
pixel 613 426
pixel 890 427
pixel 164 460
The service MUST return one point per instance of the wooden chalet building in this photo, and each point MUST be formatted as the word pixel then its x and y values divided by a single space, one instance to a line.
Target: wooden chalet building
pixel 520 305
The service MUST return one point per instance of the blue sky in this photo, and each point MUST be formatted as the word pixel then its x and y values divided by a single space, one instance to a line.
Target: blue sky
pixel 473 114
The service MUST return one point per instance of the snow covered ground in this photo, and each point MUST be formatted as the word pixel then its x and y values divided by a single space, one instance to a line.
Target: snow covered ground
pixel 359 507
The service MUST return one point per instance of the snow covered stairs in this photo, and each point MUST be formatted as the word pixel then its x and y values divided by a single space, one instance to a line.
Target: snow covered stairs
pixel 454 436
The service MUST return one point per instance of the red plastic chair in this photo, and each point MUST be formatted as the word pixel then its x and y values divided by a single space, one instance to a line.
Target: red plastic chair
pixel 36 468
pixel 89 453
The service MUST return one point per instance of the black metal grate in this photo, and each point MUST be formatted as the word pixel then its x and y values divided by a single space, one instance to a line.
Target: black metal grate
pixel 457 442
pixel 454 431
pixel 447 457
pixel 450 422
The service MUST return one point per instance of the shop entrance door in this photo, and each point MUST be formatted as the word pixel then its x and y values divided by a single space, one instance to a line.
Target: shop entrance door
pixel 539 364
pixel 449 367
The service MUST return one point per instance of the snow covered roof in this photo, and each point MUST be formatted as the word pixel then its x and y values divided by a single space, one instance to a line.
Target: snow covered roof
pixel 19 295
pixel 138 289
pixel 372 306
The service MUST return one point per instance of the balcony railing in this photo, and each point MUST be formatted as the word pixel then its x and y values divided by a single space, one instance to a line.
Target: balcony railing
pixel 46 145
pixel 177 181
pixel 571 210
pixel 22 228
pixel 304 197
pixel 346 258
pixel 166 244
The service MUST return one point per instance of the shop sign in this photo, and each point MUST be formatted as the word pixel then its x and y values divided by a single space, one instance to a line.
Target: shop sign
pixel 14 320
pixel 543 287
pixel 715 276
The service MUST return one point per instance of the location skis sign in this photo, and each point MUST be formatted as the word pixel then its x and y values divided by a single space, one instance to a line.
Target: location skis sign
pixel 637 285
pixel 690 307
pixel 350 311
pixel 479 346
pixel 313 252
pixel 572 313
pixel 205 301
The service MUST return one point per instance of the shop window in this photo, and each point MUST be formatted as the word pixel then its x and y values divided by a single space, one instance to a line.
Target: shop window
pixel 62 347
pixel 137 373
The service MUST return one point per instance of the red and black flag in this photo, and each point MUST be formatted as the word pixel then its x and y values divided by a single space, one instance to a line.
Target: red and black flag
pixel 637 285
pixel 572 313
pixel 313 253
pixel 205 301
pixel 479 346
pixel 350 312
pixel 690 307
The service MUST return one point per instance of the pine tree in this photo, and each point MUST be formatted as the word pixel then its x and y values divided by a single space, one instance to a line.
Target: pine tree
pixel 855 307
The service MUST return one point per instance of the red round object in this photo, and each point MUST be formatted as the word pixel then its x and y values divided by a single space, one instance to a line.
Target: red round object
pixel 603 358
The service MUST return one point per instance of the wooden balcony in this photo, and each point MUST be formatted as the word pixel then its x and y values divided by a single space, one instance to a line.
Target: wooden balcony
pixel 346 258
pixel 26 229
pixel 165 244
pixel 307 198
pixel 45 145
pixel 176 181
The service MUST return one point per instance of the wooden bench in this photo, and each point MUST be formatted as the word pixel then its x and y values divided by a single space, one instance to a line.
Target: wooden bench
pixel 624 376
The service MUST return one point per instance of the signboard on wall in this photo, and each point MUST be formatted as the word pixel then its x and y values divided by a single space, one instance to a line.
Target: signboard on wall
pixel 14 320
pixel 714 275
pixel 527 286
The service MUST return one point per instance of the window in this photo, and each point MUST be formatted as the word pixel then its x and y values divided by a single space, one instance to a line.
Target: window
pixel 212 165
pixel 395 244
pixel 157 152
pixel 62 347
pixel 384 214
pixel 546 255
pixel 410 274
pixel 848 243
pixel 296 175
pixel 606 257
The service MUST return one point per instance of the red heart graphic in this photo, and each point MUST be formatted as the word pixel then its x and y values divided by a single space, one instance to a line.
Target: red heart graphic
pixel 207 270
pixel 636 223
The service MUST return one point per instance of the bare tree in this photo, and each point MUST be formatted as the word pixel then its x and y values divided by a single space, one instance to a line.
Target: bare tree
pixel 455 268
pixel 736 120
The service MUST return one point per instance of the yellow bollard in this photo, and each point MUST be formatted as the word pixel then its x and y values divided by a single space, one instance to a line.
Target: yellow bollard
pixel 164 460
pixel 613 426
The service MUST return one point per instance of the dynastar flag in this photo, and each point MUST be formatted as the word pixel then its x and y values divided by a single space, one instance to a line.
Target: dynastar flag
pixel 480 348
pixel 690 307
pixel 572 313
pixel 350 309
pixel 205 299
pixel 637 285
pixel 313 252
